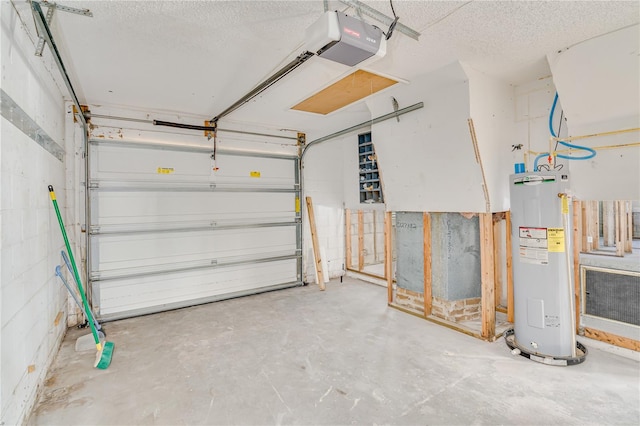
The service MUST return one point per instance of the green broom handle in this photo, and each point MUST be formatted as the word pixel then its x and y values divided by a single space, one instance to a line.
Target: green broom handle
pixel 73 264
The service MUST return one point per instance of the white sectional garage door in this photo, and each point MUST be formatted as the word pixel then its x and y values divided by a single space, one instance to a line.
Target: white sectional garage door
pixel 168 231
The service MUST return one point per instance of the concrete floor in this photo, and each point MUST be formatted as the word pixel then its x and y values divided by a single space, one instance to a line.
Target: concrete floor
pixel 301 356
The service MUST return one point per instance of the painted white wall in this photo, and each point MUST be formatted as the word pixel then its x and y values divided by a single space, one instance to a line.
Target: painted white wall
pixel 427 159
pixel 533 102
pixel 31 295
pixel 599 86
pixel 324 168
pixel 491 108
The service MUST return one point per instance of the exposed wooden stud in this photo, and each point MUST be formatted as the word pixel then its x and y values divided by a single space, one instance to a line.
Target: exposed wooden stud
pixel 608 224
pixel 595 225
pixel 426 244
pixel 584 220
pixel 577 241
pixel 497 252
pixel 613 339
pixel 488 306
pixel 316 246
pixel 375 242
pixel 510 302
pixel 360 240
pixel 628 247
pixel 388 256
pixel 620 235
pixel 347 225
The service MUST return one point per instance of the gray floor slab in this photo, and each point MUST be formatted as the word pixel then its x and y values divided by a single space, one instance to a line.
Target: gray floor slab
pixel 301 356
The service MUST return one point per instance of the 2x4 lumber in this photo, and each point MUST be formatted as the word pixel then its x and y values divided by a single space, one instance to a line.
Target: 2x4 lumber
pixel 628 246
pixel 497 252
pixel 426 243
pixel 608 224
pixel 314 241
pixel 594 207
pixel 620 219
pixel 577 241
pixel 488 306
pixel 388 258
pixel 347 234
pixel 510 301
pixel 613 339
pixel 360 240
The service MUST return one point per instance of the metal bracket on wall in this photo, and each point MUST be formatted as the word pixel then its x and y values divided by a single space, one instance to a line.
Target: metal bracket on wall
pixel 51 7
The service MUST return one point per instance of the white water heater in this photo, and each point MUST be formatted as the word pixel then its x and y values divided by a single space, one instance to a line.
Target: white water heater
pixel 544 303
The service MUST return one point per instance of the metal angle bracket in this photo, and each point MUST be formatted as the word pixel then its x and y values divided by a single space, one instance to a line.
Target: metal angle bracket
pixel 51 7
pixel 363 9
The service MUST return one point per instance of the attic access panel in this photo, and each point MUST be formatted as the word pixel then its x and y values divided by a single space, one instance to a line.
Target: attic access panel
pixel 352 88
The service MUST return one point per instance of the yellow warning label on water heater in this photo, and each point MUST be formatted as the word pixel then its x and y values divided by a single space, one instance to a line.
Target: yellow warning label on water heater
pixel 555 240
pixel 254 174
pixel 165 170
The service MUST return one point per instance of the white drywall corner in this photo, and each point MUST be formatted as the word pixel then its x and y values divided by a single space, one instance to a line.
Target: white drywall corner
pixel 491 104
pixel 426 158
pixel 598 83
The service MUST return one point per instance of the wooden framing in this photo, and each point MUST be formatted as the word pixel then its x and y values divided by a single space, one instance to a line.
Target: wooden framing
pixel 488 305
pixel 497 255
pixel 510 300
pixel 316 246
pixel 360 240
pixel 347 234
pixel 608 224
pixel 388 256
pixel 618 208
pixel 426 250
pixel 628 245
pixel 613 339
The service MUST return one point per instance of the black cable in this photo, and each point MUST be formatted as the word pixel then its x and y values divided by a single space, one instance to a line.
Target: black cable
pixel 393 24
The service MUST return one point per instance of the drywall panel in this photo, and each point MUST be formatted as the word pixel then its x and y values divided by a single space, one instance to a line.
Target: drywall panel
pixel 325 166
pixel 491 106
pixel 598 83
pixel 32 300
pixel 426 157
pixel 533 102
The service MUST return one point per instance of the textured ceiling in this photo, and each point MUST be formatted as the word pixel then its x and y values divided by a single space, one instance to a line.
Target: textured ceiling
pixel 198 57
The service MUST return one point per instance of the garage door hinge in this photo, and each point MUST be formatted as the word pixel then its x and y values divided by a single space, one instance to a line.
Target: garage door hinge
pixel 94 185
pixel 212 186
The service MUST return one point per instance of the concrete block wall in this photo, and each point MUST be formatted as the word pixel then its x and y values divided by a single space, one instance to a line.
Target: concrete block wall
pixel 33 301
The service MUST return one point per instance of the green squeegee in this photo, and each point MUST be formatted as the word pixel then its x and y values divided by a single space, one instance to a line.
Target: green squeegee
pixel 103 357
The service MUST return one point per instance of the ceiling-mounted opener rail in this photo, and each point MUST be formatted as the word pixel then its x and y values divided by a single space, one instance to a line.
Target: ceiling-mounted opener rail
pixel 51 8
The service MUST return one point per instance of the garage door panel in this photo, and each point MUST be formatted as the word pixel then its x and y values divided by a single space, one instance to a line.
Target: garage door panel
pixel 130 251
pixel 254 171
pixel 167 230
pixel 161 166
pixel 120 296
pixel 140 207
